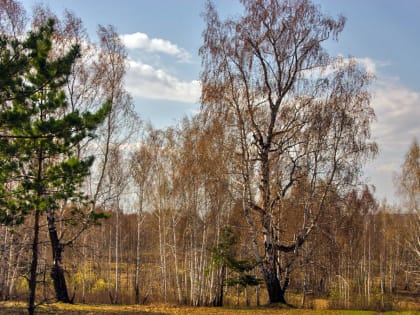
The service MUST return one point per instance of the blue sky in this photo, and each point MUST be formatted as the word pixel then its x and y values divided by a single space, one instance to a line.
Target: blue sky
pixel 163 37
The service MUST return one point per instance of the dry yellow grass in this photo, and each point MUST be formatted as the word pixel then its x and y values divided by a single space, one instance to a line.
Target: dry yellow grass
pixel 320 304
pixel 161 309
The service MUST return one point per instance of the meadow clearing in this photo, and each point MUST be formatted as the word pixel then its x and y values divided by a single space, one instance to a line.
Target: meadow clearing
pixel 162 309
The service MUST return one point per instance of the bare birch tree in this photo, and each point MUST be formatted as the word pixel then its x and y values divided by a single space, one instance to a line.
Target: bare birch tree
pixel 409 189
pixel 300 117
pixel 141 171
pixel 13 18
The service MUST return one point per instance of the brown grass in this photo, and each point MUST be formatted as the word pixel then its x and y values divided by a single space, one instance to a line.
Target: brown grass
pixel 17 308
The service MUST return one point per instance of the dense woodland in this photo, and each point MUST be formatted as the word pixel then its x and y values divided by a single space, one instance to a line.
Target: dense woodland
pixel 258 198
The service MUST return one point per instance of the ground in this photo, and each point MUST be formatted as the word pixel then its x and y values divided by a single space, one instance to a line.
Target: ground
pixel 159 309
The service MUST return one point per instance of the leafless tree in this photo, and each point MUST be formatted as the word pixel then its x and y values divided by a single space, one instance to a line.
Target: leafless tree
pixel 409 189
pixel 13 18
pixel 141 171
pixel 300 117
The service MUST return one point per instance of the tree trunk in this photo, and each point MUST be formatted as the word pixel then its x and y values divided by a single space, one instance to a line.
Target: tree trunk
pixel 117 267
pixel 270 262
pixel 34 265
pixel 162 253
pixel 220 274
pixel 257 295
pixel 175 254
pixel 13 268
pixel 84 270
pixel 137 272
pixel 257 290
pixel 275 292
pixel 108 271
pixel 57 271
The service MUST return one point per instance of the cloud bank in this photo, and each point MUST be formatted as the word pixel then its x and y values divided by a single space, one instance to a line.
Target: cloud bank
pixel 151 80
pixel 144 80
pixel 141 41
pixel 397 110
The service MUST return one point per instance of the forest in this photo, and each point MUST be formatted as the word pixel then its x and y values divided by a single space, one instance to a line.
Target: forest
pixel 256 199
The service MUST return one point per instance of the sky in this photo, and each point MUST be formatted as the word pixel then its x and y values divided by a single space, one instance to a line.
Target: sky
pixel 163 38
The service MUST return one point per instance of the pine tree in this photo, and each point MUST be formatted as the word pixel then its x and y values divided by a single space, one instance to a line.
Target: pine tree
pixel 224 257
pixel 41 171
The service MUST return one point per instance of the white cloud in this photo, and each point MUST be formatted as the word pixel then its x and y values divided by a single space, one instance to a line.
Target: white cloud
pixel 370 65
pixel 397 110
pixel 143 80
pixel 142 41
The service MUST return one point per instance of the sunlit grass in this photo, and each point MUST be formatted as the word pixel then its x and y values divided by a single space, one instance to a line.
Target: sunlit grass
pixel 160 309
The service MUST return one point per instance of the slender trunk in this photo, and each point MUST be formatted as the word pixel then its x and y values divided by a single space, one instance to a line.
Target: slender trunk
pixel 220 274
pixel 34 265
pixel 368 271
pixel 257 295
pixel 201 266
pixel 115 301
pixel 302 303
pixel 35 241
pixel 7 267
pixel 57 271
pixel 108 271
pixel 191 273
pixel 185 266
pixel 382 264
pixel 14 268
pixel 137 272
pixel 382 281
pixel 162 252
pixel 84 270
pixel 216 285
pixel 365 260
pixel 175 254
pixel 237 295
pixel 164 266
pixel 212 289
pixel 5 263
pixel 193 269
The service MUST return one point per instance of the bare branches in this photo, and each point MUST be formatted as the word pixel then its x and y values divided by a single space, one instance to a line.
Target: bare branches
pixel 301 118
pixel 13 18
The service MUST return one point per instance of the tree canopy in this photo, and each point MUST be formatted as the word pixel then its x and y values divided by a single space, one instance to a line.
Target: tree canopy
pixel 299 118
pixel 39 133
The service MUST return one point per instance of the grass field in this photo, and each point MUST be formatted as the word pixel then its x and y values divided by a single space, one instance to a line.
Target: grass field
pixel 84 309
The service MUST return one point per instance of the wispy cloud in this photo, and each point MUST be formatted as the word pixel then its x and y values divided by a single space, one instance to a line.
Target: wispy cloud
pixel 397 110
pixel 369 64
pixel 142 41
pixel 144 80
